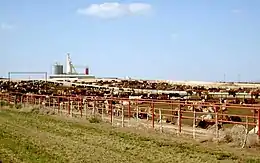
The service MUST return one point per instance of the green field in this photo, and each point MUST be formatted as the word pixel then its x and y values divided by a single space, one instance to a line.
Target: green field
pixel 29 137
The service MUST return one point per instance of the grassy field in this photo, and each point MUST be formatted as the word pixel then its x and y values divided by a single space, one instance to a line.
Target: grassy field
pixel 28 137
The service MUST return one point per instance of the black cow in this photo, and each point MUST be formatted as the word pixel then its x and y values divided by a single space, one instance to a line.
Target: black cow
pixel 205 124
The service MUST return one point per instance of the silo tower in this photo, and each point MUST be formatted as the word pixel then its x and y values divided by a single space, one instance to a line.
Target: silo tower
pixel 58 69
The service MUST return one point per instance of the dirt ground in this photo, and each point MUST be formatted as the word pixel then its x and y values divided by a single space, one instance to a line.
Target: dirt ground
pixel 27 136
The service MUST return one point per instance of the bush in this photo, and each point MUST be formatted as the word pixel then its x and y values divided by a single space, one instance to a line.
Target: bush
pixel 35 110
pixel 3 103
pixel 18 106
pixel 94 120
pixel 11 105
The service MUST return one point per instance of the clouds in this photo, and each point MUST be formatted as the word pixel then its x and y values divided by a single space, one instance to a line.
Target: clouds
pixel 6 26
pixel 115 10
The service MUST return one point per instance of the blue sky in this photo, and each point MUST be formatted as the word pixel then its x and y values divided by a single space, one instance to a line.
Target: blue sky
pixel 155 39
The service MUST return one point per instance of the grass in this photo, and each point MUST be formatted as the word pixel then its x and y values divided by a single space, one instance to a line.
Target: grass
pixel 29 137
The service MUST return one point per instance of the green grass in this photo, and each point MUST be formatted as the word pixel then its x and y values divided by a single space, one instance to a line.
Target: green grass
pixel 28 137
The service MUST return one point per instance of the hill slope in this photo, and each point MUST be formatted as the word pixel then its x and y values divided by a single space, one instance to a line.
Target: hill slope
pixel 27 137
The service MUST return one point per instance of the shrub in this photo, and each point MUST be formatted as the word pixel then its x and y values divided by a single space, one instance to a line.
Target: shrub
pixel 35 110
pixel 18 106
pixel 3 103
pixel 94 120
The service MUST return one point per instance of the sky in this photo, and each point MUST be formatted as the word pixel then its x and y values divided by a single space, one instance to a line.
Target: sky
pixel 206 40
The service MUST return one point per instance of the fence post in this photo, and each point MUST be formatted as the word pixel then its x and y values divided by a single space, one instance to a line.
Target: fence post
pixel 137 113
pixel 172 118
pixel 102 112
pixel 8 98
pixel 81 107
pixel 123 122
pixel 160 114
pixel 59 104
pixel 246 134
pixel 258 124
pixel 78 110
pixel 71 108
pixel 147 111
pixel 27 98
pixel 129 112
pixel 53 104
pixel 194 122
pixel 1 101
pixel 111 113
pixel 86 107
pixel 216 121
pixel 153 114
pixel 21 102
pixel 35 101
pixel 93 108
pixel 61 107
pixel 179 119
pixel 40 101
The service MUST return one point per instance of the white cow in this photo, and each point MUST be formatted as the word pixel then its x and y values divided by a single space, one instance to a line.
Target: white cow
pixel 135 98
pixel 255 129
pixel 124 103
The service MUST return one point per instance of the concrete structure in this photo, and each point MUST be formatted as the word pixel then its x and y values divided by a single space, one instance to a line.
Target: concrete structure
pixel 58 69
pixel 70 73
pixel 70 76
pixel 69 65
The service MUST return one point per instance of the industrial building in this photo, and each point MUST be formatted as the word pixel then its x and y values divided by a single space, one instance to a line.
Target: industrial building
pixel 71 73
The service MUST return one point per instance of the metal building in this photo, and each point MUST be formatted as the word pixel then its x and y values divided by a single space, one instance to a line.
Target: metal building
pixel 58 69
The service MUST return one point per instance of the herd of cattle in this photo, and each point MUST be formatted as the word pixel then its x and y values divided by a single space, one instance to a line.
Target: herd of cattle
pixel 152 85
pixel 51 89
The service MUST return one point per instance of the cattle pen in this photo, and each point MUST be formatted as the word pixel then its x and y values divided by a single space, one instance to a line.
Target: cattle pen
pixel 162 115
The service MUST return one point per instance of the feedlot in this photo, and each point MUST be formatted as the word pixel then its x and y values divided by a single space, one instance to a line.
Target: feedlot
pixel 208 122
pixel 183 123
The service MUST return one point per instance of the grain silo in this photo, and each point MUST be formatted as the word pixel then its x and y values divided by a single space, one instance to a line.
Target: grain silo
pixel 58 69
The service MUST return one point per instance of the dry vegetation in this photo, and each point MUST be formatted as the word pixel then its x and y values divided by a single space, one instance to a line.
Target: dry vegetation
pixel 27 136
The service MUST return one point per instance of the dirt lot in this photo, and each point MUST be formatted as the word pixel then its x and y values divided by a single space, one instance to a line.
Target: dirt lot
pixel 30 137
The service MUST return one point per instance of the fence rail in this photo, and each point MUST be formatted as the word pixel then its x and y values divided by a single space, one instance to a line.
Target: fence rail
pixel 165 115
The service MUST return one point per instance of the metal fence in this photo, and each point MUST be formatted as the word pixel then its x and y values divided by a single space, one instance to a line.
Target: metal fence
pixel 162 115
